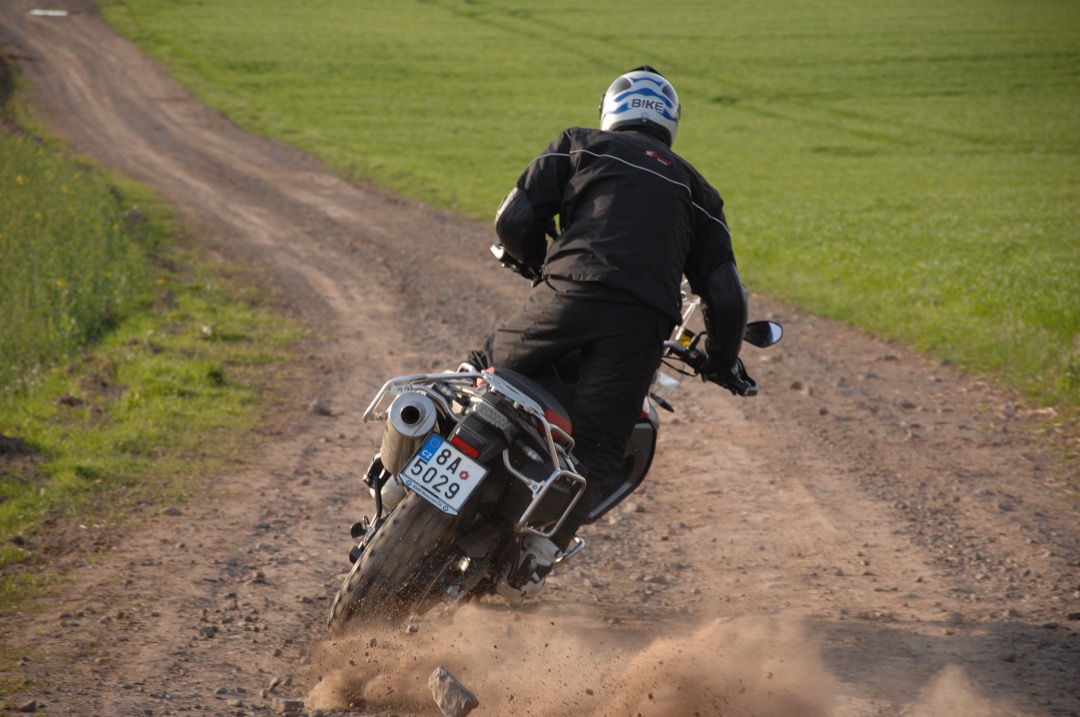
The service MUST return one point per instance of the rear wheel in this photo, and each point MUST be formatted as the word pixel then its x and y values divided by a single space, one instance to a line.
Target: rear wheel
pixel 403 568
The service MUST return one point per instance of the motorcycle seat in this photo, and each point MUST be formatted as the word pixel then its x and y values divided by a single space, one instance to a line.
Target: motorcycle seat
pixel 554 411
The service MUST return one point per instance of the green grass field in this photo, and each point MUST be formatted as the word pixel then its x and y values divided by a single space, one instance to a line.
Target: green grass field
pixel 72 261
pixel 912 168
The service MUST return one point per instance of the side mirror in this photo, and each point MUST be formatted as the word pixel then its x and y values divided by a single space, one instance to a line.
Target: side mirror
pixel 763 333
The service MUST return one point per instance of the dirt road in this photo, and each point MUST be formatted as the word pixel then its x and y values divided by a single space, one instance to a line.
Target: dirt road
pixel 873 535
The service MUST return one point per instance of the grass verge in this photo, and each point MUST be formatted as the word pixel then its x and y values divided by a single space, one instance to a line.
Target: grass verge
pixel 73 263
pixel 135 419
pixel 138 419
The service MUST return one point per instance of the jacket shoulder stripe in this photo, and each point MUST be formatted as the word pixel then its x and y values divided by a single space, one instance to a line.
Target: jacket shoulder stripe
pixel 654 173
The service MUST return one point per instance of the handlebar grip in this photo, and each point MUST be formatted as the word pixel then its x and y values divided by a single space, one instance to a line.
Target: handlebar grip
pixel 694 358
pixel 737 381
pixel 506 259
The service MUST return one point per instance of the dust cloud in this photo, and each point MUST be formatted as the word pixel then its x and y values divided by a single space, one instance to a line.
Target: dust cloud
pixel 544 662
pixel 951 694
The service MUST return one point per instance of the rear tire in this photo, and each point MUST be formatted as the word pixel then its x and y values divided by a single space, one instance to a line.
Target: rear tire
pixel 398 570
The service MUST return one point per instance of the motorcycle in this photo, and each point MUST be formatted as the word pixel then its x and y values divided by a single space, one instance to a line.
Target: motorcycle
pixel 472 462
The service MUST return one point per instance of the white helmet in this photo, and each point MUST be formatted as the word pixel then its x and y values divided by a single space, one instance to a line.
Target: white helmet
pixel 641 97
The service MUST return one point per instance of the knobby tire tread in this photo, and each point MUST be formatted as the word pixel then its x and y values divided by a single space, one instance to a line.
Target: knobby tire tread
pixel 398 562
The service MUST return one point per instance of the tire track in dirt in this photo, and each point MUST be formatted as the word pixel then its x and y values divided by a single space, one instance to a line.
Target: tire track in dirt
pixel 866 526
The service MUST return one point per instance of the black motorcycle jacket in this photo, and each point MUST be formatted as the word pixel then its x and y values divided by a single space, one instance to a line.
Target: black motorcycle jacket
pixel 633 216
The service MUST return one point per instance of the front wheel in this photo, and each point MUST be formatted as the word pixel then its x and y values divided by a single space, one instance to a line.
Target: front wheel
pixel 402 567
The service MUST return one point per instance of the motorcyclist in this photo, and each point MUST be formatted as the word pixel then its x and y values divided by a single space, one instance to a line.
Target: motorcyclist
pixel 633 219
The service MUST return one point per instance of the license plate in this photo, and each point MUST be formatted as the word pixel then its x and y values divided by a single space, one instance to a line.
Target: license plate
pixel 442 474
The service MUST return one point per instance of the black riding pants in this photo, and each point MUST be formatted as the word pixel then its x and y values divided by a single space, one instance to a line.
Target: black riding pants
pixel 620 340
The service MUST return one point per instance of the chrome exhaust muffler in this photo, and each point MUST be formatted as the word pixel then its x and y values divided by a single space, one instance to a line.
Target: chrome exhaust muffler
pixel 410 419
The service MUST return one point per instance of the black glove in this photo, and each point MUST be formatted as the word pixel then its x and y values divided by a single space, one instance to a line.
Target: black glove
pixel 733 377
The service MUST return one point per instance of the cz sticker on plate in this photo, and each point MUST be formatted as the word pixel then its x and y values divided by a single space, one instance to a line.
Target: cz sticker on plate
pixel 442 474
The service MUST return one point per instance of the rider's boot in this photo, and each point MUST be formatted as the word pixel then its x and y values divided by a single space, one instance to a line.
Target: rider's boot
pixel 526 579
